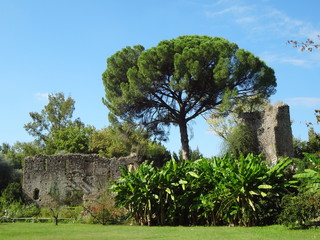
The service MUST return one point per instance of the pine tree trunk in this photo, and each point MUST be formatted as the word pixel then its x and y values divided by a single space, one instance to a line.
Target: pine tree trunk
pixel 184 140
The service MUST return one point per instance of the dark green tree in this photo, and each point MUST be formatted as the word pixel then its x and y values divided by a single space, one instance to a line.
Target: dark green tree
pixel 180 79
pixel 6 173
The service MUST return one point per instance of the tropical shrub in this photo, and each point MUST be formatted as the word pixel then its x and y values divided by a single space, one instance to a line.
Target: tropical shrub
pixel 222 190
pixel 310 177
pixel 303 210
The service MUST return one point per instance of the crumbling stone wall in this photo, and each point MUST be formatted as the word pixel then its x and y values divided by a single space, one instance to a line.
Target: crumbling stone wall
pixel 48 180
pixel 272 130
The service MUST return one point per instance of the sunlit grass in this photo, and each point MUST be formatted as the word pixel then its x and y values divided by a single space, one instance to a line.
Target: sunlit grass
pixel 48 231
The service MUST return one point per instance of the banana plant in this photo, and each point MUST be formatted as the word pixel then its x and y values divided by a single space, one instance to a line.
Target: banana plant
pixel 310 177
pixel 221 190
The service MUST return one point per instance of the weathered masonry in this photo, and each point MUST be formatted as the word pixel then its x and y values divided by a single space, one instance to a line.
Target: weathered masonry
pixel 272 131
pixel 60 179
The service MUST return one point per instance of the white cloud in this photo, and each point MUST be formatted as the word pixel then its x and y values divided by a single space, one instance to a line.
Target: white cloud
pixel 312 102
pixel 295 61
pixel 233 10
pixel 262 18
pixel 298 59
pixel 42 96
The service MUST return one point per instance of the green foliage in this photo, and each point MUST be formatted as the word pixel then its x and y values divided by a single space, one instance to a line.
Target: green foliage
pixel 216 191
pixel 11 194
pixel 155 152
pixel 6 173
pixel 111 142
pixel 54 129
pixel 194 155
pixel 301 211
pixel 313 143
pixel 19 151
pixel 20 210
pixel 55 116
pixel 224 119
pixel 74 138
pixel 310 177
pixel 11 201
pixel 120 140
pixel 240 140
pixel 180 79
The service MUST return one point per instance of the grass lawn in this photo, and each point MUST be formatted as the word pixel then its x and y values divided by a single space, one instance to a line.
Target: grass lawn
pixel 48 231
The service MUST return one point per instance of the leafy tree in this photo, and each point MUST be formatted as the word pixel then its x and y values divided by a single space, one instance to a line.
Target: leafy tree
pixel 74 138
pixel 224 119
pixel 54 129
pixel 112 142
pixel 313 143
pixel 55 116
pixel 120 140
pixel 240 141
pixel 180 79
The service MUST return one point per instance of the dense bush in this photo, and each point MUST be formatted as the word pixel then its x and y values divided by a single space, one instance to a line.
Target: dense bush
pixel 104 211
pixel 301 211
pixel 217 191
pixel 6 173
pixel 12 193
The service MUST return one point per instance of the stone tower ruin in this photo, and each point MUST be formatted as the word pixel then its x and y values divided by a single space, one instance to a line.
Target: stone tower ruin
pixel 272 130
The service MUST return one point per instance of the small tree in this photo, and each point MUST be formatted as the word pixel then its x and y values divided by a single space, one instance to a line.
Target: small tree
pixel 225 121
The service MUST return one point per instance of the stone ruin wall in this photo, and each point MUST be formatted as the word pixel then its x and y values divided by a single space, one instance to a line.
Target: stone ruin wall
pixel 272 131
pixel 72 175
pixel 87 175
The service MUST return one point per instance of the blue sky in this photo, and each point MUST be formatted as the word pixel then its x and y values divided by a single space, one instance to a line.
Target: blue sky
pixel 62 46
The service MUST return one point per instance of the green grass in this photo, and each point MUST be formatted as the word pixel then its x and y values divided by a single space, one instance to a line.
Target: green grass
pixel 48 231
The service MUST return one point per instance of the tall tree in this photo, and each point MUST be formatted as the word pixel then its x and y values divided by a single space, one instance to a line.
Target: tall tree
pixel 180 79
pixel 54 129
pixel 55 116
